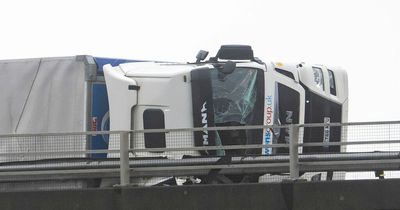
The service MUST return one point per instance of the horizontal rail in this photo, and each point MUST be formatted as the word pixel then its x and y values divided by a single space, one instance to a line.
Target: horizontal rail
pixel 309 125
pixel 223 147
pixel 85 163
pixel 314 144
pixel 83 133
pixel 199 129
pixel 69 152
pixel 19 176
pixel 154 171
pixel 200 148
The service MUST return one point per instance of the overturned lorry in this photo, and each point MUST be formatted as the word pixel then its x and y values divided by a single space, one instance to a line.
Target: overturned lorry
pixel 234 88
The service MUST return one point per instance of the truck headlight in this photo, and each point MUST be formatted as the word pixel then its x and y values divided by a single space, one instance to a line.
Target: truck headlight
pixel 318 77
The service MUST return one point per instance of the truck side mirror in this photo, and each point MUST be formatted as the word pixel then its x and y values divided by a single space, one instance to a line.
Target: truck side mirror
pixel 201 55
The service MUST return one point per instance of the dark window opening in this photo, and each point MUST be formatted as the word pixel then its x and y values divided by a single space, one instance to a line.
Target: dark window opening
pixel 332 84
pixel 154 119
pixel 238 100
pixel 232 99
pixel 286 73
pixel 131 139
pixel 318 77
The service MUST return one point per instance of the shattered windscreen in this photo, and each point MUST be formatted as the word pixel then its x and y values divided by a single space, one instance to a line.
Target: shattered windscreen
pixel 234 95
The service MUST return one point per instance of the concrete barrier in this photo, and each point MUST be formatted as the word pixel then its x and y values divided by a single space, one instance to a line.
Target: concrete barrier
pixel 362 194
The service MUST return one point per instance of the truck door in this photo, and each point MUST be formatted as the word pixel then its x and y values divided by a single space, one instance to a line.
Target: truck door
pixel 284 104
pixel 288 112
pixel 321 109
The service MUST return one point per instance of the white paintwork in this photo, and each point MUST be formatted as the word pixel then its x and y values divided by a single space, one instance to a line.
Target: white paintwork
pixel 155 70
pixel 272 78
pixel 341 80
pixel 162 86
pixel 306 77
pixel 173 96
pixel 120 99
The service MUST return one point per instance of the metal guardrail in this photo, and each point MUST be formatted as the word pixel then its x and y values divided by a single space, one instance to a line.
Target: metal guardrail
pixel 126 167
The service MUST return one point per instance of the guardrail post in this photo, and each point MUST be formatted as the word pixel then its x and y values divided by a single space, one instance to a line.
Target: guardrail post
pixel 293 151
pixel 124 159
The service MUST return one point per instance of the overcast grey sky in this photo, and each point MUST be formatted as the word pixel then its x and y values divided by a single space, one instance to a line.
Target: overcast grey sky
pixel 360 36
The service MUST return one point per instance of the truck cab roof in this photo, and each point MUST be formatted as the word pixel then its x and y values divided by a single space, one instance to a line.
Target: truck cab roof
pixel 163 70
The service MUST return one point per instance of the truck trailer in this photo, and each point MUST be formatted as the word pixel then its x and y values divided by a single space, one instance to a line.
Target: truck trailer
pixel 54 95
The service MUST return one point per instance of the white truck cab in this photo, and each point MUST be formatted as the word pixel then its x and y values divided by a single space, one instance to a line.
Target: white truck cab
pixel 231 89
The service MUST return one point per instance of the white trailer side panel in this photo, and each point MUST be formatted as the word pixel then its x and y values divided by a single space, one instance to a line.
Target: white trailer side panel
pixel 56 101
pixel 45 95
pixel 16 79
